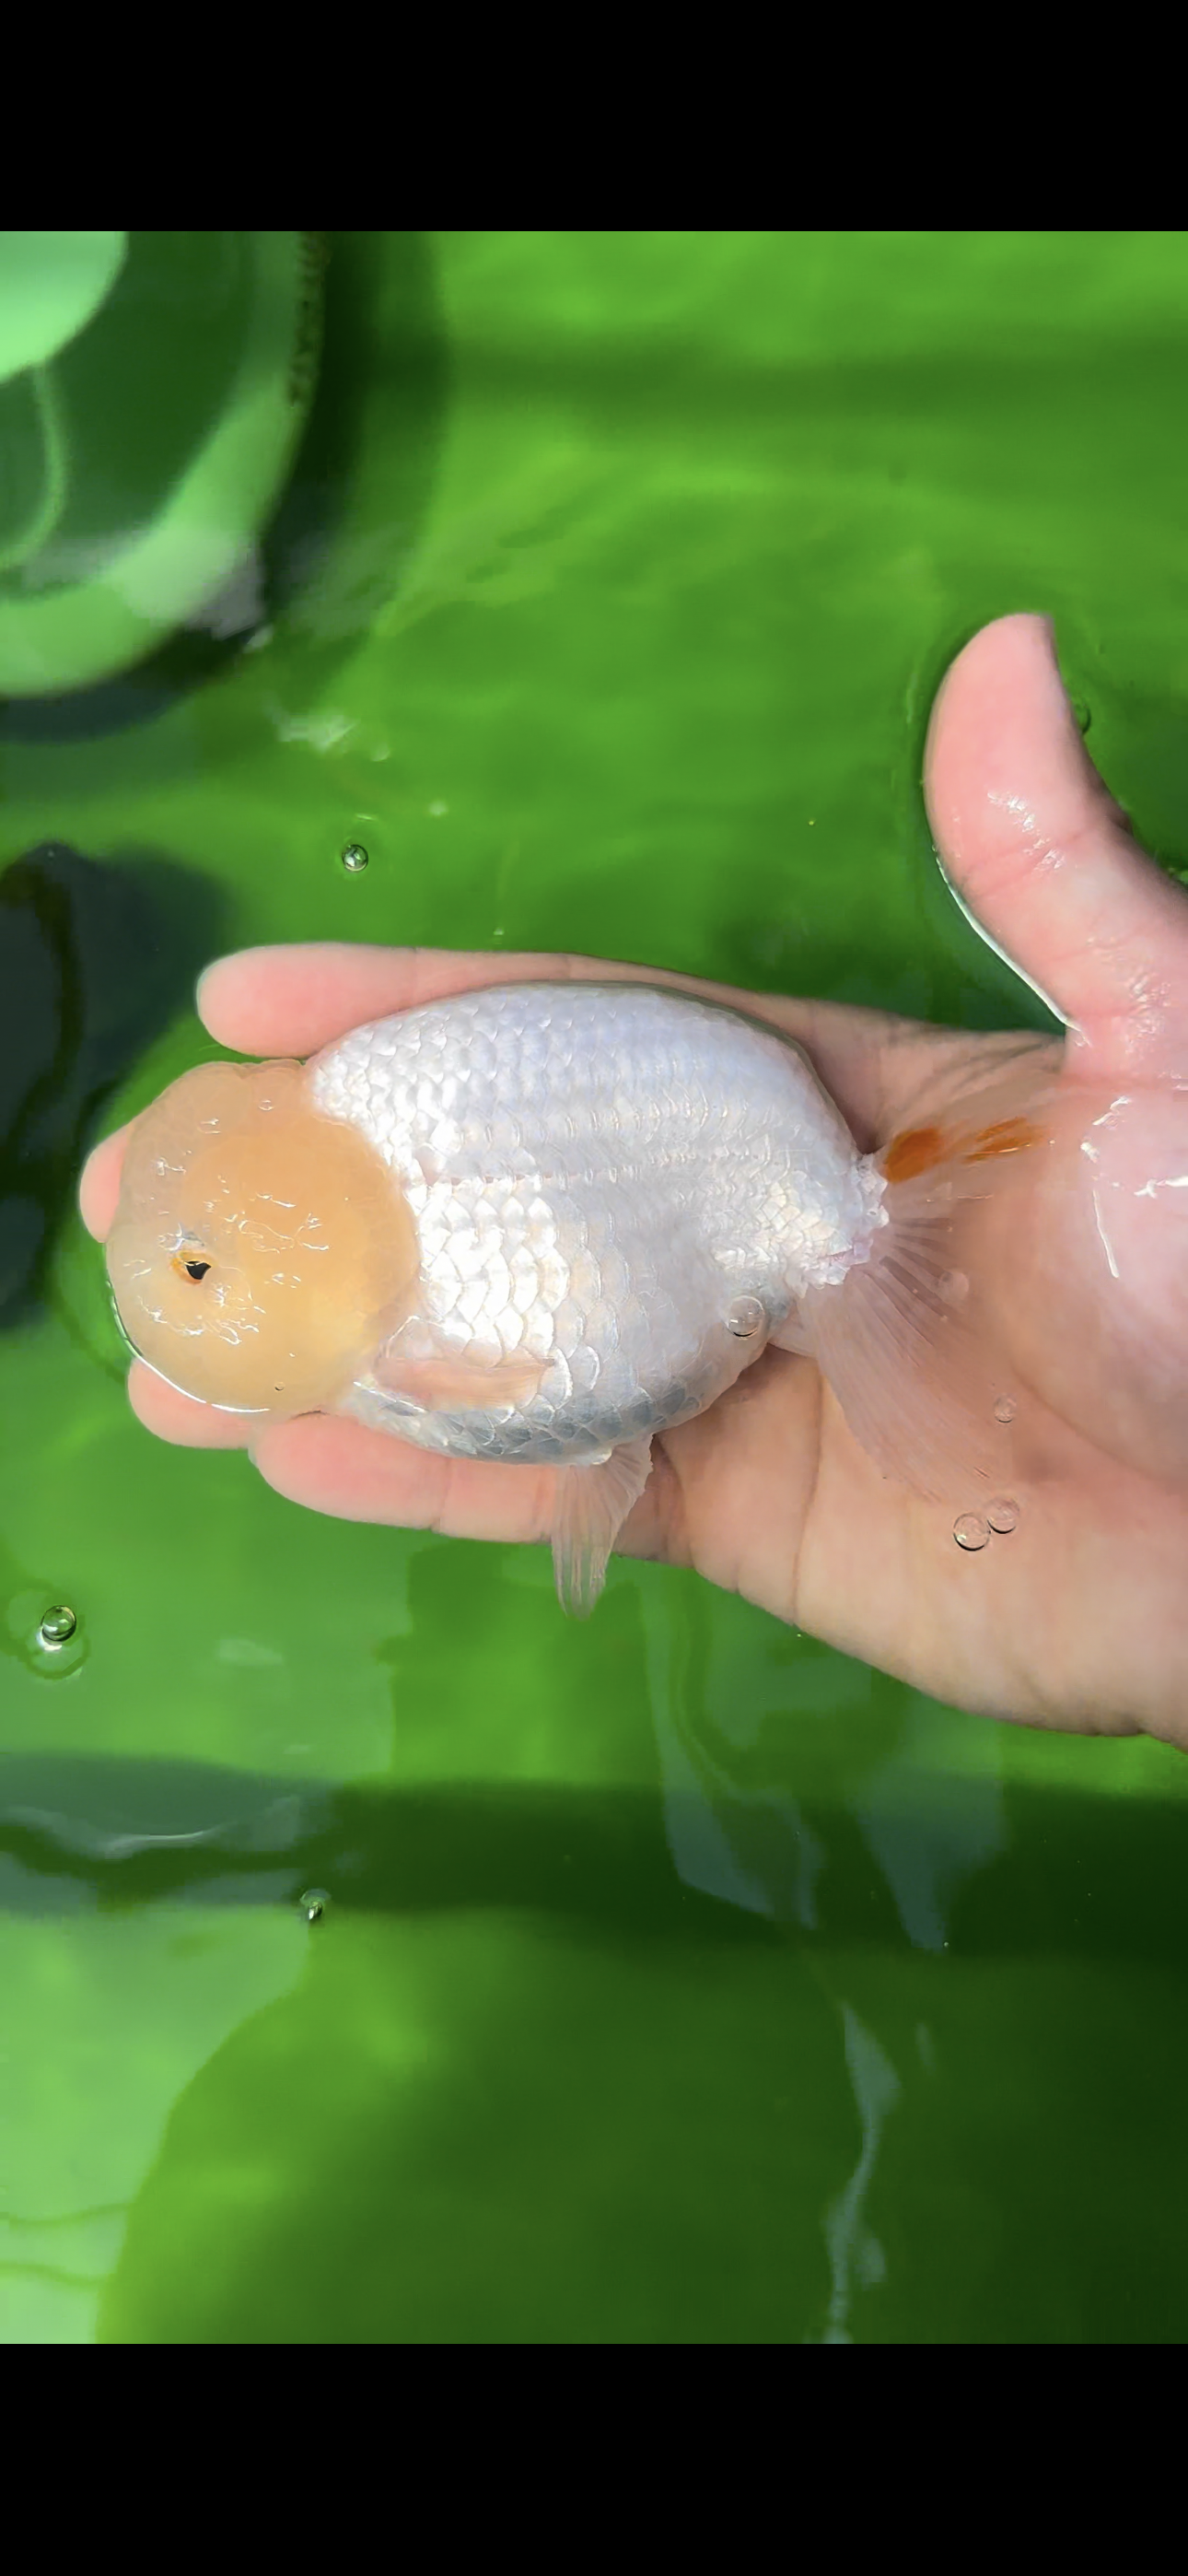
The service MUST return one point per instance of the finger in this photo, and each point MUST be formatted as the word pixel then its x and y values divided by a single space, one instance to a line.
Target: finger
pixel 179 1418
pixel 290 1001
pixel 1041 853
pixel 99 1187
pixel 335 1466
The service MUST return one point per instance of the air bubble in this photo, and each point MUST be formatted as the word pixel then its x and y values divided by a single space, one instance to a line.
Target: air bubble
pixel 57 1626
pixel 1003 1513
pixel 313 1903
pixel 952 1287
pixel 971 1531
pixel 1083 714
pixel 1005 1408
pixel 746 1317
pixel 51 1642
pixel 354 858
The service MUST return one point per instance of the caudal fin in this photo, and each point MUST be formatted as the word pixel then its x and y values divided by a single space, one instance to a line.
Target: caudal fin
pixel 909 1342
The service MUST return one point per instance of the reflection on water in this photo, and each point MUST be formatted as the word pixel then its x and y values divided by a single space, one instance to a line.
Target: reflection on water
pixel 753 1817
pixel 757 1733
pixel 751 1849
pixel 930 1830
pixel 136 2003
pixel 342 533
pixel 855 2255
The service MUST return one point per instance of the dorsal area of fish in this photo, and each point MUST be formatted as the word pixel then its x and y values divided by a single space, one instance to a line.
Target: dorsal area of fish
pixel 596 1172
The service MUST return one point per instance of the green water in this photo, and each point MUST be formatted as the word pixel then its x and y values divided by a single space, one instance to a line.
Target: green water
pixel 679 1979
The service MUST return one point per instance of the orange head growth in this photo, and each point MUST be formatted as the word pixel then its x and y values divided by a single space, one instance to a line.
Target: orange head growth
pixel 260 1251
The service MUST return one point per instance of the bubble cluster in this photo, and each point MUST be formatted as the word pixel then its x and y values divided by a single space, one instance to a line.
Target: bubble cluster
pixel 972 1529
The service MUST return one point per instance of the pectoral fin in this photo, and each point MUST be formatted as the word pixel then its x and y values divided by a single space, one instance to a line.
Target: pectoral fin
pixel 442 1384
pixel 591 1506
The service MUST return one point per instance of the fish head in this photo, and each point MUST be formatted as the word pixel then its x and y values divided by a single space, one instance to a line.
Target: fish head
pixel 260 1249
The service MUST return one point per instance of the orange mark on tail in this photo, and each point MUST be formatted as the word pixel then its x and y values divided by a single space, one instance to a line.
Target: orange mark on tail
pixel 1010 1136
pixel 923 1149
pixel 918 1149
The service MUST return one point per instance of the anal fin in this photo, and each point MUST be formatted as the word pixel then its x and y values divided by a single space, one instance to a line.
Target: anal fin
pixel 591 1506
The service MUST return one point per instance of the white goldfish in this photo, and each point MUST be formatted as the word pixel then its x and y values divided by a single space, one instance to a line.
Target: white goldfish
pixel 545 1222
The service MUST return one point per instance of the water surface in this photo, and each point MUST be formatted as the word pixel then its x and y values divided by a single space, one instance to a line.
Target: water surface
pixel 677 1979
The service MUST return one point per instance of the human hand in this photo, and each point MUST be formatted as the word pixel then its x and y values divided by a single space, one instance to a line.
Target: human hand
pixel 1078 1620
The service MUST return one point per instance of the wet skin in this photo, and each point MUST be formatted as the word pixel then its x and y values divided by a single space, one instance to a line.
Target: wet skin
pixel 1080 1618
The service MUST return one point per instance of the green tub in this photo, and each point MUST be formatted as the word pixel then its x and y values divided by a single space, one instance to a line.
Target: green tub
pixel 384 1958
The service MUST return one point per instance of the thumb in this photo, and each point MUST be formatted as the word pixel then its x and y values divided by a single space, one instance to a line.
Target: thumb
pixel 1038 849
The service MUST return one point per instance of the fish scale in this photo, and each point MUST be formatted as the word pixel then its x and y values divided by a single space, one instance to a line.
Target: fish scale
pixel 596 1173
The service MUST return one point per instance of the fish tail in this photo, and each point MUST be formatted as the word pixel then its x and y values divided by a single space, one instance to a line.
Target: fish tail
pixel 909 1341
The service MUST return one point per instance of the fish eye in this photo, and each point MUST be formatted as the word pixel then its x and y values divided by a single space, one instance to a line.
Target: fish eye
pixel 191 1268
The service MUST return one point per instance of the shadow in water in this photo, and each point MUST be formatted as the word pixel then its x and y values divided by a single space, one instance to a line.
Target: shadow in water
pixel 129 1833
pixel 96 956
pixel 1079 1877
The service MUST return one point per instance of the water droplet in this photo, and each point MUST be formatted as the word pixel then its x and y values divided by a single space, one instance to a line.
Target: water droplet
pixel 313 1903
pixel 971 1531
pixel 1083 713
pixel 50 1642
pixel 1003 1513
pixel 57 1626
pixel 746 1317
pixel 354 858
pixel 952 1287
pixel 1005 1408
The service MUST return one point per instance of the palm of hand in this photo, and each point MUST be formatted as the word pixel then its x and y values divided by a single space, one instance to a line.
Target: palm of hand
pixel 1081 1618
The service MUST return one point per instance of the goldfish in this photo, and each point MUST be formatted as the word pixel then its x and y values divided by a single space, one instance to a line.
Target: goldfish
pixel 543 1223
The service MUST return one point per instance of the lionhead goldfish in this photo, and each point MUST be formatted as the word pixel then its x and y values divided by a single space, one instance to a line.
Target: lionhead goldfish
pixel 546 1222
